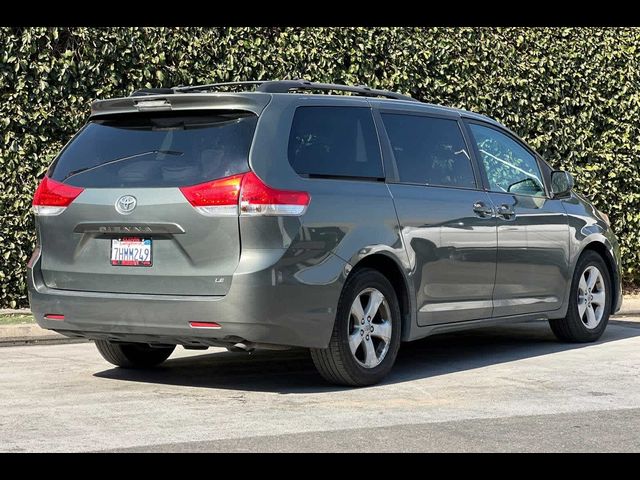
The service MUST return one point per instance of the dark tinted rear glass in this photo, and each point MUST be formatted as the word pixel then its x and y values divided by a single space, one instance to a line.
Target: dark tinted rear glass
pixel 335 141
pixel 429 151
pixel 157 150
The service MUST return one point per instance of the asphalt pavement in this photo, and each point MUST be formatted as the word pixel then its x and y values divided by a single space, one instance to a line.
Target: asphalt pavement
pixel 511 388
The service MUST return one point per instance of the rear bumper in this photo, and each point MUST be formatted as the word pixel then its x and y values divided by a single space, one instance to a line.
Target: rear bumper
pixel 272 300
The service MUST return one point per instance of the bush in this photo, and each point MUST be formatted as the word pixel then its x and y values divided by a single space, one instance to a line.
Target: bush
pixel 572 93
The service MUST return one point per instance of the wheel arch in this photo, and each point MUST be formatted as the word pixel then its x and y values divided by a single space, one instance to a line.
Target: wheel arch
pixel 392 269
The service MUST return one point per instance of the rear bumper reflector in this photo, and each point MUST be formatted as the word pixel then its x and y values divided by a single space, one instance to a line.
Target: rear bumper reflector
pixel 205 325
pixel 53 316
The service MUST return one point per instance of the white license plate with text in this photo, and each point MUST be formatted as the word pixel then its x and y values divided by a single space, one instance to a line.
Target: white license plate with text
pixel 131 252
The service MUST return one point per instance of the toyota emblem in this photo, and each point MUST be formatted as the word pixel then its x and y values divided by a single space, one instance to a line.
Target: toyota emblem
pixel 126 204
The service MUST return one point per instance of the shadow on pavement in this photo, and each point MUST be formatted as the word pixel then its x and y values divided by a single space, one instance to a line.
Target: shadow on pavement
pixel 292 371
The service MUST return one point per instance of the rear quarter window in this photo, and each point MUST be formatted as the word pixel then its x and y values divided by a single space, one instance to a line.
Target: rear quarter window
pixel 142 150
pixel 335 142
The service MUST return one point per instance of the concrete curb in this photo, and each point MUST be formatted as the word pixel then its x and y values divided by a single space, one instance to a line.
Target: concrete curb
pixel 22 311
pixel 630 306
pixel 28 333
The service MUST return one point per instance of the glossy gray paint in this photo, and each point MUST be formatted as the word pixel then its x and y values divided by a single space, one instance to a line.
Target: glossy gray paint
pixel 283 275
pixel 452 252
pixel 199 258
pixel 587 229
pixel 532 270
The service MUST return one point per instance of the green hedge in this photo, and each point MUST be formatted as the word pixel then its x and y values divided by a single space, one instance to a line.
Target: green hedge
pixel 573 93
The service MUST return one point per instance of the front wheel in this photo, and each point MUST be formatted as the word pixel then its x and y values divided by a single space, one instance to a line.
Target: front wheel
pixel 133 355
pixel 589 302
pixel 366 333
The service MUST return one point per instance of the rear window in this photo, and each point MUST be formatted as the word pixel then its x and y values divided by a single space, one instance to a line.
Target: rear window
pixel 143 150
pixel 335 142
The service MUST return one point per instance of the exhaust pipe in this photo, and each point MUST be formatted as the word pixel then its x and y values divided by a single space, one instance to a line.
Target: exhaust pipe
pixel 247 347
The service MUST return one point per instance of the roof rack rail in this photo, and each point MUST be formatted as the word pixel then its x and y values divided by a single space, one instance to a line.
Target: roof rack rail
pixel 280 86
pixel 285 86
pixel 212 86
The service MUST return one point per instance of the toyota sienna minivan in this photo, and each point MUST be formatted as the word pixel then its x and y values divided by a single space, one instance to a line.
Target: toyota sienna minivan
pixel 282 216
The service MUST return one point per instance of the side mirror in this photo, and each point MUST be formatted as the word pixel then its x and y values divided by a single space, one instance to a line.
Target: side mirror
pixel 527 186
pixel 561 183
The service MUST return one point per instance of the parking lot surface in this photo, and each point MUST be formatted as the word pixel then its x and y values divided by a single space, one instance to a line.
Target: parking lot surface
pixel 512 388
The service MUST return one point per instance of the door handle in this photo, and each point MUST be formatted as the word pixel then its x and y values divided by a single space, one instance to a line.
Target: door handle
pixel 506 211
pixel 483 210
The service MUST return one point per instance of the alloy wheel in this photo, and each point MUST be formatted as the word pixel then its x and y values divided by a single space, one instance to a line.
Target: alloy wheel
pixel 591 297
pixel 370 328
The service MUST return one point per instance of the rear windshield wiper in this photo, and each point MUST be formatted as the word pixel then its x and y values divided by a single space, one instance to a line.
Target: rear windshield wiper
pixel 73 173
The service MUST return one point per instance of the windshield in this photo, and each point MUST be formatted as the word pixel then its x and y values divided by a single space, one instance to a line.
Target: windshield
pixel 157 150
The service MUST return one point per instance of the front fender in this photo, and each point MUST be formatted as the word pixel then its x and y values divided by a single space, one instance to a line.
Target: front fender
pixel 588 230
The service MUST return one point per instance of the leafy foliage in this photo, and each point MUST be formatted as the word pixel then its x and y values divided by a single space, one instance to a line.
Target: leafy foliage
pixel 572 93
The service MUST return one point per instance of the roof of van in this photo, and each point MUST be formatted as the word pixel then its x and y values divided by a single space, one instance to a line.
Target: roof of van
pixel 203 96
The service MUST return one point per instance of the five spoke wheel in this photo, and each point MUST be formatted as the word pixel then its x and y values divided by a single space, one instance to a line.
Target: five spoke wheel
pixel 366 334
pixel 590 301
pixel 591 297
pixel 369 328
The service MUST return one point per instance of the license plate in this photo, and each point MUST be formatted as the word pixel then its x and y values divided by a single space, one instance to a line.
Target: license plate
pixel 131 252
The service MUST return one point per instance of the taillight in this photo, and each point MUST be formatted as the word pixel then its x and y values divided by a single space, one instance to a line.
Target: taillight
pixel 256 198
pixel 215 199
pixel 52 197
pixel 244 194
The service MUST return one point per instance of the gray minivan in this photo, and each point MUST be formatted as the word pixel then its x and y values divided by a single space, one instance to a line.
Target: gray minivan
pixel 280 217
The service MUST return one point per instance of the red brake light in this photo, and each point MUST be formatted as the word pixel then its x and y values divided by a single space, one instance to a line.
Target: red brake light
pixel 52 197
pixel 222 197
pixel 216 198
pixel 256 198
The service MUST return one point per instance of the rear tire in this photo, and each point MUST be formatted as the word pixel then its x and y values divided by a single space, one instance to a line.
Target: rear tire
pixel 365 339
pixel 133 355
pixel 588 313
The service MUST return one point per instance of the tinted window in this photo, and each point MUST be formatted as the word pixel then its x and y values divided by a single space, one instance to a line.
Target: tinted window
pixel 336 141
pixel 429 151
pixel 157 150
pixel 509 166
